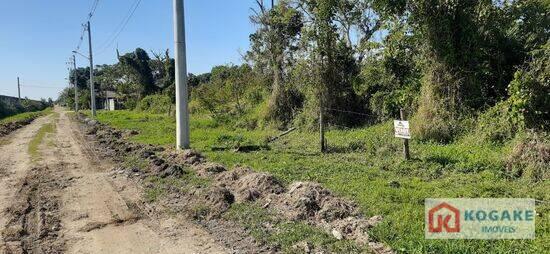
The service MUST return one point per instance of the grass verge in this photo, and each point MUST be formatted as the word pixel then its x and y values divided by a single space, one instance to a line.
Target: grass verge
pixel 365 165
pixel 26 116
pixel 290 237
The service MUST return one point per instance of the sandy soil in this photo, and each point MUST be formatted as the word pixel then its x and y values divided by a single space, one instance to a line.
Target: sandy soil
pixel 68 201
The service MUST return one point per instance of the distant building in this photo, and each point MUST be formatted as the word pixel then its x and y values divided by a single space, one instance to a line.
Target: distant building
pixel 109 100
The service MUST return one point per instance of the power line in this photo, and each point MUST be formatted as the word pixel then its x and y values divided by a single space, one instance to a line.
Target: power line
pixel 93 9
pixel 37 82
pixel 55 87
pixel 91 13
pixel 122 25
pixel 119 26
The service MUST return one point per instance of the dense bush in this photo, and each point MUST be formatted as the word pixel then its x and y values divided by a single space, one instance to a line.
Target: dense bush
pixel 231 93
pixel 437 118
pixel 360 62
pixel 497 124
pixel 10 107
pixel 530 91
pixel 156 104
pixel 530 158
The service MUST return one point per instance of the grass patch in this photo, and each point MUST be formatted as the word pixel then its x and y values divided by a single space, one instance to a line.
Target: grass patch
pixel 38 138
pixel 283 234
pixel 366 165
pixel 157 187
pixel 26 116
pixel 134 162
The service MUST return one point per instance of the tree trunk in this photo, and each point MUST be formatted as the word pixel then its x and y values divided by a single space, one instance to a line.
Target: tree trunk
pixel 277 94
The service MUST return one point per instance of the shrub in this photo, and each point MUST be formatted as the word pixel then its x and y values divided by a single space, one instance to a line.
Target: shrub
pixel 530 157
pixel 530 91
pixel 497 124
pixel 10 107
pixel 438 111
pixel 238 143
pixel 156 104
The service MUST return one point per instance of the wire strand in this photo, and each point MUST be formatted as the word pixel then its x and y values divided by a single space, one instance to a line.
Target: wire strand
pixel 91 13
pixel 346 111
pixel 125 22
pixel 55 87
pixel 118 27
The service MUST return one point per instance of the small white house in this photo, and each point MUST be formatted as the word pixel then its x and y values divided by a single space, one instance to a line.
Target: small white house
pixel 110 100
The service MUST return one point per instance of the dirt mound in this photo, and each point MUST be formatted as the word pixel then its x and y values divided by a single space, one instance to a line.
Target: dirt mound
pixel 171 171
pixel 304 201
pixel 253 186
pixel 7 128
pixel 217 200
pixel 353 228
pixel 310 201
pixel 190 157
pixel 210 169
pixel 233 175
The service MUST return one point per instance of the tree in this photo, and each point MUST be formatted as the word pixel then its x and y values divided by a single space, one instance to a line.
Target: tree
pixel 135 66
pixel 272 47
pixel 331 60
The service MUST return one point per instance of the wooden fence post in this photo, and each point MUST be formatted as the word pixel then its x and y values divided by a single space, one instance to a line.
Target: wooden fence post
pixel 322 129
pixel 406 151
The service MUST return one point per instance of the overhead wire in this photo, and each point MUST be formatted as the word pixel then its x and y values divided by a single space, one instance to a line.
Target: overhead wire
pixel 49 87
pixel 37 84
pixel 119 29
pixel 91 13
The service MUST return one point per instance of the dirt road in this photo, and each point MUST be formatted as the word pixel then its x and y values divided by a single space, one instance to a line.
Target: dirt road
pixel 63 199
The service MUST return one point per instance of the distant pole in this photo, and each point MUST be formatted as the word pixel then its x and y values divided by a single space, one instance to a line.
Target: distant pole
pixel 75 83
pixel 18 89
pixel 92 88
pixel 182 113
pixel 406 152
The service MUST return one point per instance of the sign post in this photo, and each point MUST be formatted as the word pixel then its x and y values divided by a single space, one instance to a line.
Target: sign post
pixel 402 130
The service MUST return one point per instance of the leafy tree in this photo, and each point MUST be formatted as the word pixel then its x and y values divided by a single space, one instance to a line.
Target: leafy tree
pixel 135 67
pixel 273 45
pixel 332 62
pixel 530 91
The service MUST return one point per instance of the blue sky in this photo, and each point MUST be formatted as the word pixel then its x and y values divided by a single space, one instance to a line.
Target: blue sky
pixel 37 36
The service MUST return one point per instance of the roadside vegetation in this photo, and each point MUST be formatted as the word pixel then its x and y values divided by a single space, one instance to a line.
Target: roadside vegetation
pixel 12 123
pixel 10 106
pixel 366 165
pixel 472 77
pixel 25 116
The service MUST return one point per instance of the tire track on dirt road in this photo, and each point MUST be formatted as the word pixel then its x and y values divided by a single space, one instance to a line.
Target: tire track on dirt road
pixel 102 214
pixel 67 201
pixel 15 163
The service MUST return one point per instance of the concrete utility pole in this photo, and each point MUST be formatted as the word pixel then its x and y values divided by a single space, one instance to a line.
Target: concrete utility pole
pixel 75 83
pixel 182 113
pixel 18 89
pixel 92 88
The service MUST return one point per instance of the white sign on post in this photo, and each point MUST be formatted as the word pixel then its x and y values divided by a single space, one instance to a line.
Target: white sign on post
pixel 402 129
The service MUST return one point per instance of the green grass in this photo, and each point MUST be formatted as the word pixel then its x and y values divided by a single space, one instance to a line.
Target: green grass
pixel 38 138
pixel 25 116
pixel 283 233
pixel 364 164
